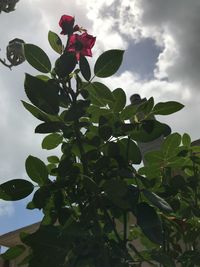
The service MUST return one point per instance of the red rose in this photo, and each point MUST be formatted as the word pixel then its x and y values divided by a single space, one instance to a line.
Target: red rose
pixel 66 23
pixel 81 44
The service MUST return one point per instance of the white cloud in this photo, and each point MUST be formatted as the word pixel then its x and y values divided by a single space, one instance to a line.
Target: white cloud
pixel 6 208
pixel 117 24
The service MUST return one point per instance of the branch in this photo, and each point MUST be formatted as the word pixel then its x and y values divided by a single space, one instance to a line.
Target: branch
pixel 5 64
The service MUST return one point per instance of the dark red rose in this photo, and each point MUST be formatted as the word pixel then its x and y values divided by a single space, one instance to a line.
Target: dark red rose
pixel 81 44
pixel 66 23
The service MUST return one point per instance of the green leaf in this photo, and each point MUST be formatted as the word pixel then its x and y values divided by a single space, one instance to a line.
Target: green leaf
pixel 149 222
pixel 42 77
pixel 36 112
pixel 15 189
pixel 52 141
pixel 157 201
pixel 49 127
pixel 158 129
pixel 65 64
pixel 36 170
pixel 130 151
pixel 154 156
pixel 37 58
pixel 170 144
pixel 13 252
pixel 128 112
pixel 147 106
pixel 55 42
pixel 43 95
pixel 94 98
pixel 105 132
pixel 120 100
pixel 114 187
pixel 108 63
pixel 186 140
pixel 102 92
pixel 167 108
pixel 53 159
pixel 85 68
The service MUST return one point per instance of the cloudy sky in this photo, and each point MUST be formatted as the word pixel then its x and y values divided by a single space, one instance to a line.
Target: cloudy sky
pixel 162 59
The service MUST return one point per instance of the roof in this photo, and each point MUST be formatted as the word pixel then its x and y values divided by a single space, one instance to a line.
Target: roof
pixel 12 238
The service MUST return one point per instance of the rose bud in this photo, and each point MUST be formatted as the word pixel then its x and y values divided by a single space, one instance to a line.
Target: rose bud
pixel 66 23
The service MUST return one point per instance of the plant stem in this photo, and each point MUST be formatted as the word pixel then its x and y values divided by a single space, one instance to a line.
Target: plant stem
pixel 5 64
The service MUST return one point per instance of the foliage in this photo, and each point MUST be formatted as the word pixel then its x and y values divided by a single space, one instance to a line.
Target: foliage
pixel 96 198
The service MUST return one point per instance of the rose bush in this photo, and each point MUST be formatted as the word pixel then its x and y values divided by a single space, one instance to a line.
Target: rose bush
pixel 90 192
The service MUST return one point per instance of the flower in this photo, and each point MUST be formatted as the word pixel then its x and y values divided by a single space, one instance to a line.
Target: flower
pixel 81 44
pixel 66 23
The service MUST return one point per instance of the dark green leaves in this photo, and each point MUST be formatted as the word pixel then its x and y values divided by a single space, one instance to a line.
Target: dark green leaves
pixel 130 151
pixel 37 58
pixel 120 100
pixel 37 113
pixel 85 68
pixel 52 141
pixel 55 42
pixel 43 95
pixel 36 170
pixel 108 63
pixel 102 92
pixel 49 127
pixel 65 64
pixel 15 189
pixel 167 108
pixel 157 201
pixel 149 222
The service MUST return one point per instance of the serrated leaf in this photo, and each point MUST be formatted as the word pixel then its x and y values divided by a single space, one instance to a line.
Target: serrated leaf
pixel 55 42
pixel 36 170
pixel 52 141
pixel 157 201
pixel 149 222
pixel 37 58
pixel 85 68
pixel 15 189
pixel 108 63
pixel 42 94
pixel 167 108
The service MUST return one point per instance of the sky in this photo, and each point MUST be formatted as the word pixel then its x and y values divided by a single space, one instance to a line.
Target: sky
pixel 161 40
